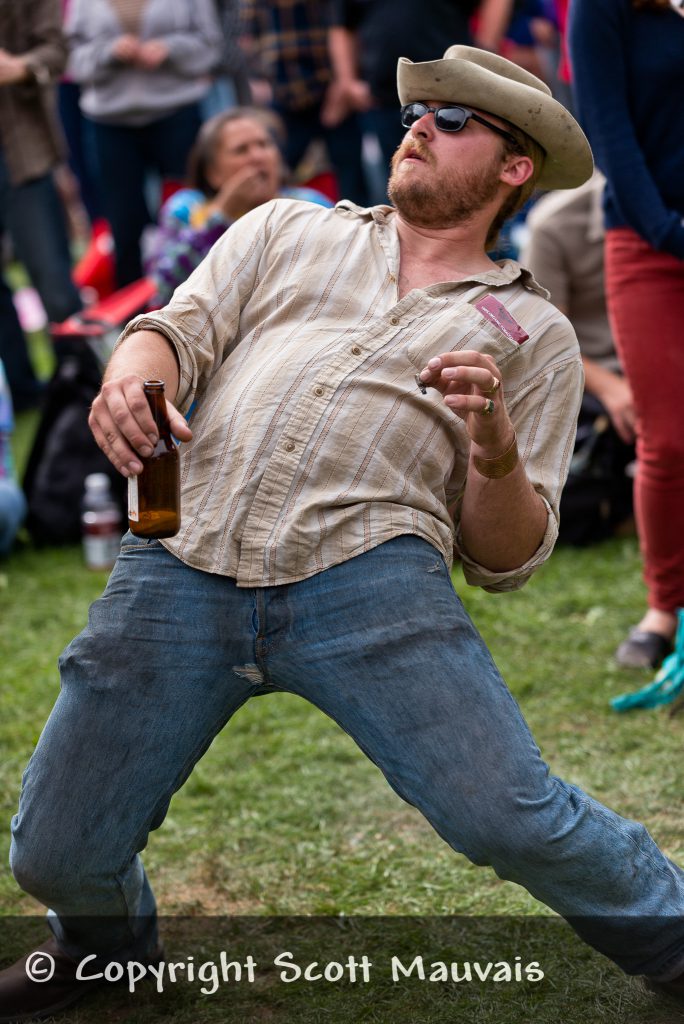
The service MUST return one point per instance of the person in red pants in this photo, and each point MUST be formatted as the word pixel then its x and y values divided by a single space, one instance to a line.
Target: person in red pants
pixel 628 76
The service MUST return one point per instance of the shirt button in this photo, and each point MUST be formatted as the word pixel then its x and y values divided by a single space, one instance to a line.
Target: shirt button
pixel 356 351
pixel 289 447
pixel 318 390
pixel 394 320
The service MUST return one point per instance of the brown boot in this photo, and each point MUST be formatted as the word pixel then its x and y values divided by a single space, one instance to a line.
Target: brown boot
pixel 674 989
pixel 43 983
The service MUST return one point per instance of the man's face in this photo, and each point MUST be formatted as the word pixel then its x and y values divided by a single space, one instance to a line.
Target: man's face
pixel 440 179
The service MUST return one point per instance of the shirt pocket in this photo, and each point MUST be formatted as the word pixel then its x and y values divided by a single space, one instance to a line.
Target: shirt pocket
pixel 462 327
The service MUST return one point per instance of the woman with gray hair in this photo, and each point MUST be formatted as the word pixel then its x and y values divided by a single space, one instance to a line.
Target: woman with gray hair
pixel 235 166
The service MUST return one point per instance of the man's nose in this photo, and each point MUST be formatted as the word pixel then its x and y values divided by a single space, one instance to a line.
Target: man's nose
pixel 424 126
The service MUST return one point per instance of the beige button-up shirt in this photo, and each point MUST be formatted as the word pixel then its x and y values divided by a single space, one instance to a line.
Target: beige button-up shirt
pixel 312 442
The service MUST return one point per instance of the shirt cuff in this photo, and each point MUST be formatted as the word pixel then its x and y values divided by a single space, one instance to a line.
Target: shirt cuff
pixel 477 575
pixel 187 376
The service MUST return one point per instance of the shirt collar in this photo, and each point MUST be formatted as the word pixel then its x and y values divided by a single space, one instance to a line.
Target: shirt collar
pixel 504 272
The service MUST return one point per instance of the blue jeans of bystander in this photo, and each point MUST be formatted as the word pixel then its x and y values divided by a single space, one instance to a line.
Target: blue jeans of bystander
pixel 34 216
pixel 343 142
pixel 32 213
pixel 126 155
pixel 12 512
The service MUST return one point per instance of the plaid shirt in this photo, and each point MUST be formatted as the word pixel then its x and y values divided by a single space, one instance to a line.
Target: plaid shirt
pixel 288 44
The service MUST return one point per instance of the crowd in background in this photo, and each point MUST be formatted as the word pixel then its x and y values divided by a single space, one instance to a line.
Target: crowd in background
pixel 102 103
pixel 117 90
pixel 134 132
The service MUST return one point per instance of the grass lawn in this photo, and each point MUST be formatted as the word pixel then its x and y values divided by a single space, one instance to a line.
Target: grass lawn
pixel 284 818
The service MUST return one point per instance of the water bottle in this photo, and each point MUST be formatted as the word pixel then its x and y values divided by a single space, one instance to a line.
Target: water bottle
pixel 100 523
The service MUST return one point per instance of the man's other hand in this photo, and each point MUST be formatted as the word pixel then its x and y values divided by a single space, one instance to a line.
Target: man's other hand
pixel 471 384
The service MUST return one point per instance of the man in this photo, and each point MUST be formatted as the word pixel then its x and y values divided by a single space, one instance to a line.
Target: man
pixel 287 45
pixel 564 251
pixel 314 551
pixel 32 56
pixel 366 39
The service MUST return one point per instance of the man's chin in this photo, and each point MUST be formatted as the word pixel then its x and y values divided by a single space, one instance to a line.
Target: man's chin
pixel 416 205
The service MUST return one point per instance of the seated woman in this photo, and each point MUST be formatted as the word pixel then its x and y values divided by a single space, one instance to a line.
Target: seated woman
pixel 235 165
pixel 12 501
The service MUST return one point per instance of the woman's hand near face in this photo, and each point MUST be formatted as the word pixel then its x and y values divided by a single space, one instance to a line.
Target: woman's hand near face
pixel 245 189
pixel 245 169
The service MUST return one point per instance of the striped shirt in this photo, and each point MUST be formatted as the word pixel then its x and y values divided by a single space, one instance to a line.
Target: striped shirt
pixel 312 442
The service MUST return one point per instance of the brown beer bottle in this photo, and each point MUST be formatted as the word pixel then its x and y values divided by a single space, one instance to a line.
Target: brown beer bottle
pixel 154 495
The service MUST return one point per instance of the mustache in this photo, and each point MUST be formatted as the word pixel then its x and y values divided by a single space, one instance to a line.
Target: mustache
pixel 411 147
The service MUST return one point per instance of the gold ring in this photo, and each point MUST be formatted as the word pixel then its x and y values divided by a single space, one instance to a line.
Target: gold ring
pixel 496 384
pixel 487 408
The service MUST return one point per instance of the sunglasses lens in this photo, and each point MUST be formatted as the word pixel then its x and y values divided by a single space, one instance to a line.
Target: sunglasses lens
pixel 447 119
pixel 450 119
pixel 411 113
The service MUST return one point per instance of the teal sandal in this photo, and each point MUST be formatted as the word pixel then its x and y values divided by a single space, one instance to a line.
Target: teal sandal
pixel 668 683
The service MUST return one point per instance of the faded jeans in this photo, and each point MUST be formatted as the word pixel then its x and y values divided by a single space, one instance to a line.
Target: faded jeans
pixel 382 644
pixel 12 512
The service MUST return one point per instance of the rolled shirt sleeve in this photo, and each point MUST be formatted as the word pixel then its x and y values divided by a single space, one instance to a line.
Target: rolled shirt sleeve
pixel 202 320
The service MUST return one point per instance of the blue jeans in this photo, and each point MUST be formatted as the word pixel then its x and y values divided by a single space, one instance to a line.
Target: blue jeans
pixel 12 512
pixel 125 156
pixel 380 643
pixel 34 216
pixel 343 142
pixel 21 377
pixel 32 213
pixel 78 131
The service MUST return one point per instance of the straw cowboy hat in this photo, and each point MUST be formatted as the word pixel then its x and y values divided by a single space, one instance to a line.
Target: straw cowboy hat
pixel 491 83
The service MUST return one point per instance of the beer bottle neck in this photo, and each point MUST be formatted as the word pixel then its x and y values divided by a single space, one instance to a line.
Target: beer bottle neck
pixel 157 402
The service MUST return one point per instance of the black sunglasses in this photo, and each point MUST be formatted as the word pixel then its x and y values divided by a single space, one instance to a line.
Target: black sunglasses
pixel 450 119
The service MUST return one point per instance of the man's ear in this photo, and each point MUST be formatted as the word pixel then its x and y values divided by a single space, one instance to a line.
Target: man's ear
pixel 517 170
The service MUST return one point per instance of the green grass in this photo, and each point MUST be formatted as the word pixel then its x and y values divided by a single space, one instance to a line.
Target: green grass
pixel 284 816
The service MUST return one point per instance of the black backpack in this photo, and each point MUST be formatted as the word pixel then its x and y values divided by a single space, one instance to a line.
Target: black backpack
pixel 64 451
pixel 597 497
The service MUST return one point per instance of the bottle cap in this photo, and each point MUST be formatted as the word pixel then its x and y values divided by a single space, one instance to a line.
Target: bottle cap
pixel 97 482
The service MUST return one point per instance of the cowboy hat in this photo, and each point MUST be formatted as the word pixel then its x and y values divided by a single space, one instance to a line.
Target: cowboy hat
pixel 493 84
